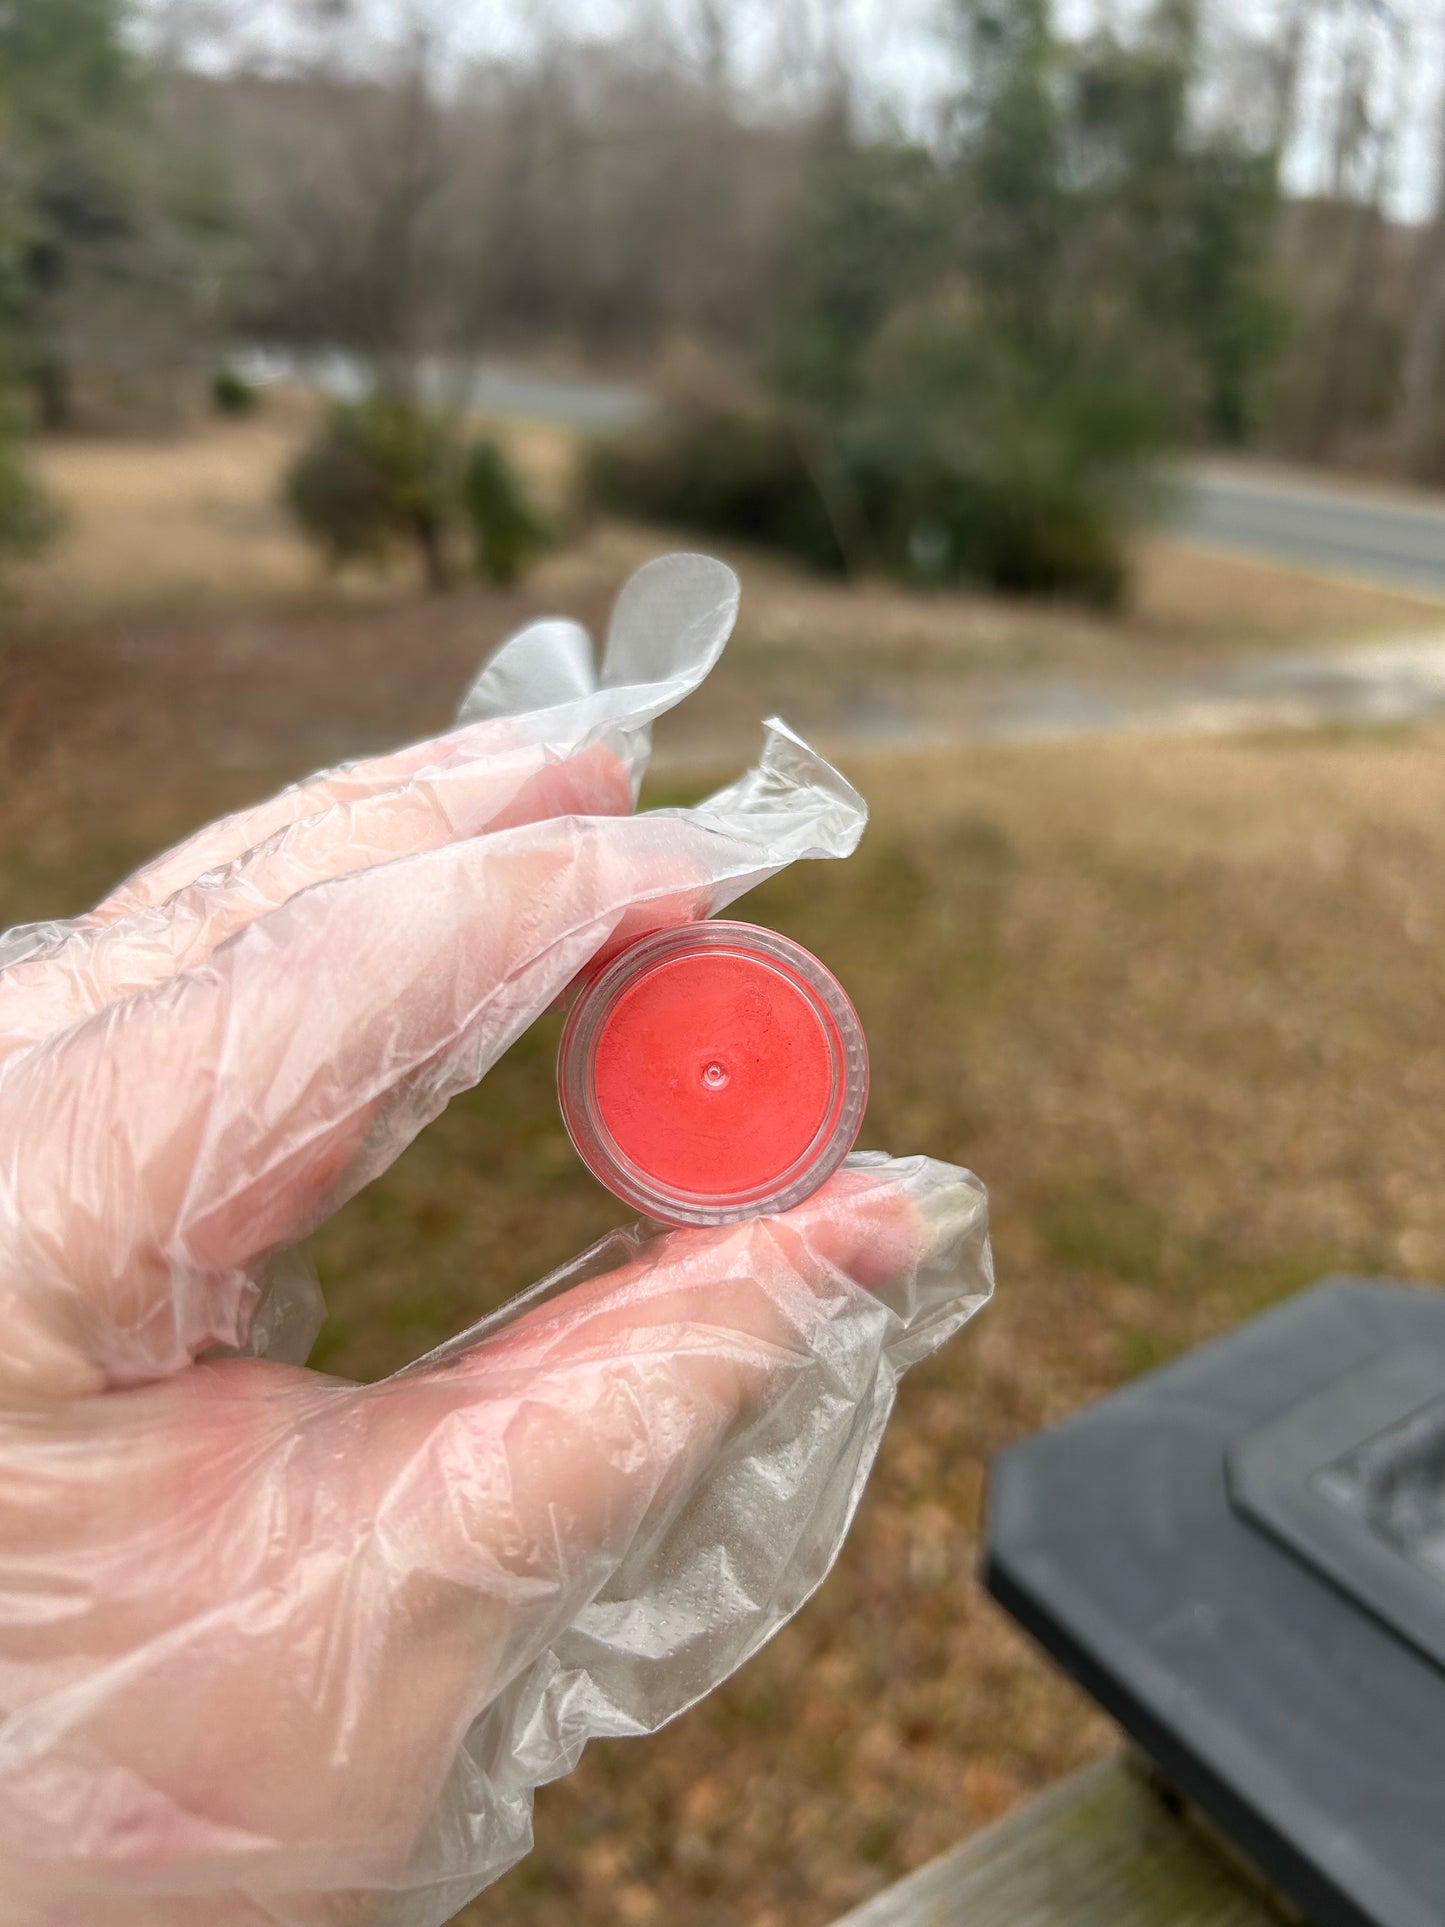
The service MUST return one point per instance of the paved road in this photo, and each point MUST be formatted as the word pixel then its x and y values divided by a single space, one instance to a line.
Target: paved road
pixel 491 388
pixel 1347 531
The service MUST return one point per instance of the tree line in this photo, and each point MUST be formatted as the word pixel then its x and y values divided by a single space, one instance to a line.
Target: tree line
pixel 1098 231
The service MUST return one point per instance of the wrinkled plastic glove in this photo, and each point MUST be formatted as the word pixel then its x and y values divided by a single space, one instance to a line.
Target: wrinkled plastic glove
pixel 275 1648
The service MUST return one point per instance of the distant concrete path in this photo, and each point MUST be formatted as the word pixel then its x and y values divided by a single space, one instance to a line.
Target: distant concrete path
pixel 1381 685
pixel 1395 540
pixel 495 388
pixel 1375 685
pixel 571 401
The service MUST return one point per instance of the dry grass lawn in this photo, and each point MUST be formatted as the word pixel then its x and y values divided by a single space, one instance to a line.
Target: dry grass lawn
pixel 1185 1009
pixel 191 527
pixel 183 520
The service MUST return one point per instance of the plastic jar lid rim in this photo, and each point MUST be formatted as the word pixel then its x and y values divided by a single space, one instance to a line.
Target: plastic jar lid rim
pixel 806 976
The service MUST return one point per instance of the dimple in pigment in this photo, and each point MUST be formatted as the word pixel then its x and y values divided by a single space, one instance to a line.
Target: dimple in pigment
pixel 712 1073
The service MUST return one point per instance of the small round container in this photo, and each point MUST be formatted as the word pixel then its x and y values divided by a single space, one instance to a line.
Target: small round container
pixel 713 1072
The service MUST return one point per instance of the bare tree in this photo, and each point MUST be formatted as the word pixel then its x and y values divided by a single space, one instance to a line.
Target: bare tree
pixel 408 198
pixel 1350 136
pixel 714 33
pixel 344 150
pixel 1284 62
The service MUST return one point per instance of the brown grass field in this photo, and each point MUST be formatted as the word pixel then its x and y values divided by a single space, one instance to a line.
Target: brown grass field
pixel 186 536
pixel 1182 1006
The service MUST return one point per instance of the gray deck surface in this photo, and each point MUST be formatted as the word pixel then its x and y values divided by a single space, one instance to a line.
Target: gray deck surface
pixel 1100 1850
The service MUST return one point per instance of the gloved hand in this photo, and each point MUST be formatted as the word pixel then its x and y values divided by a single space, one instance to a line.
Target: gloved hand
pixel 279 1649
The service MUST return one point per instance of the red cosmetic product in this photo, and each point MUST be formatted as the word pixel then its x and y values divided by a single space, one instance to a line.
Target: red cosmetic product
pixel 712 1073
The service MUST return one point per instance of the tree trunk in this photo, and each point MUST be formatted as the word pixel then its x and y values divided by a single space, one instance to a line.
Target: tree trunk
pixel 1339 384
pixel 430 540
pixel 54 392
pixel 1419 417
pixel 713 28
pixel 1284 79
pixel 1339 362
pixel 1424 359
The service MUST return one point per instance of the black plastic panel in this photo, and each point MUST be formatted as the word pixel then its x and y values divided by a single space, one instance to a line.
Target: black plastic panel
pixel 1237 1655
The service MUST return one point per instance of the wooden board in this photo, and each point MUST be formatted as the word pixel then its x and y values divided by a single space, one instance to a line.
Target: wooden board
pixel 1100 1850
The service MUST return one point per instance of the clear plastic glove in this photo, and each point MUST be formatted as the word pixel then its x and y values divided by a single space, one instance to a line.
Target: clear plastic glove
pixel 279 1649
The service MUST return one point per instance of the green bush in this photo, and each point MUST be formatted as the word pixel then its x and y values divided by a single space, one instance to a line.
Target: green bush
pixel 727 474
pixel 386 474
pixel 340 492
pixel 969 459
pixel 232 394
pixel 507 533
pixel 959 463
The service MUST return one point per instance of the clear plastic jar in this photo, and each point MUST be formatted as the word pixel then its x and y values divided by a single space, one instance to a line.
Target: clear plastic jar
pixel 713 1072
